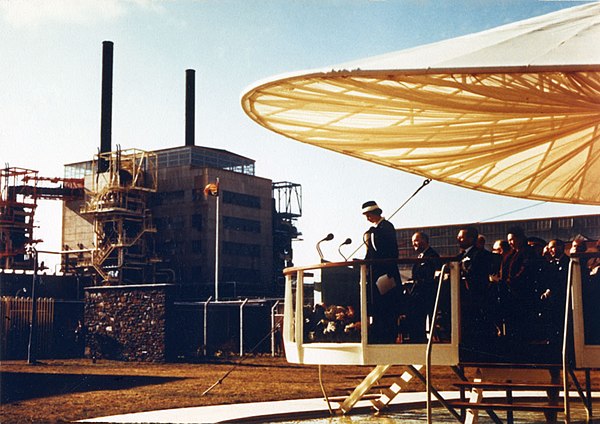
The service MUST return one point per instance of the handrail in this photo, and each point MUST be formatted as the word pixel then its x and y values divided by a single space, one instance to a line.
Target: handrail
pixel 565 348
pixel 399 261
pixel 430 342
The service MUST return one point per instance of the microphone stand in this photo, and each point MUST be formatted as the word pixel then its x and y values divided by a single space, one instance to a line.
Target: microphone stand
pixel 327 238
pixel 347 241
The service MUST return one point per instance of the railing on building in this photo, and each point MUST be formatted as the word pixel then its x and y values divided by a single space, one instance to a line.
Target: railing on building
pixel 117 202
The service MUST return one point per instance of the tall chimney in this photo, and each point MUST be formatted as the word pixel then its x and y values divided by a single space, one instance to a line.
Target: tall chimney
pixel 106 108
pixel 190 105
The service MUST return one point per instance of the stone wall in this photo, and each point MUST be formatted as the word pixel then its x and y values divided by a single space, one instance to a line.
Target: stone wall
pixel 128 323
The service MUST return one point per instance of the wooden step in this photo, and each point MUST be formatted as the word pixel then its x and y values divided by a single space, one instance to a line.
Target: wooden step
pixel 374 387
pixel 508 385
pixel 517 406
pixel 354 377
pixel 510 365
pixel 340 399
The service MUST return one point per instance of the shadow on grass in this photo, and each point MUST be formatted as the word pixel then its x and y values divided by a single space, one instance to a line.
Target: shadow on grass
pixel 16 386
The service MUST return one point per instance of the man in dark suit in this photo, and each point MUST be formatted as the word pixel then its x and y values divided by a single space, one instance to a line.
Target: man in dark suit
pixel 552 290
pixel 520 272
pixel 421 296
pixel 475 267
pixel 384 278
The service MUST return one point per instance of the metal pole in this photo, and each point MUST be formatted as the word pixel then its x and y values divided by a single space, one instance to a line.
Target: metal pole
pixel 205 323
pixel 565 346
pixel 242 327
pixel 217 246
pixel 273 332
pixel 32 345
pixel 430 342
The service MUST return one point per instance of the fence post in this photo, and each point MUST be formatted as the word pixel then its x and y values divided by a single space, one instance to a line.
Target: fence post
pixel 274 333
pixel 205 324
pixel 32 345
pixel 242 327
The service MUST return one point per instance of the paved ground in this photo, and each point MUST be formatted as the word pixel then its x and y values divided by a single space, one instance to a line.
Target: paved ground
pixel 222 413
pixel 295 409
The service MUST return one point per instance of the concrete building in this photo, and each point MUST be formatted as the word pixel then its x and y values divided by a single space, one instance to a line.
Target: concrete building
pixel 168 234
pixel 443 237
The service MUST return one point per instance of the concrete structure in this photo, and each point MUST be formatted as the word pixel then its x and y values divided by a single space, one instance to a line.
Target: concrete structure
pixel 182 226
pixel 443 237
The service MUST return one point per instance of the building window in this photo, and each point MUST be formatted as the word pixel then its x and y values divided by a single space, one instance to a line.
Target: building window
pixel 196 272
pixel 241 199
pixel 169 223
pixel 168 248
pixel 197 194
pixel 241 224
pixel 241 249
pixel 167 197
pixel 177 223
pixel 197 221
pixel 196 246
pixel 565 223
pixel 540 225
pixel 242 275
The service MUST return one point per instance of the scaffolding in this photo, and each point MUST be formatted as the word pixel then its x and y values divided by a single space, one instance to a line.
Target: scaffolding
pixel 117 201
pixel 287 208
pixel 20 190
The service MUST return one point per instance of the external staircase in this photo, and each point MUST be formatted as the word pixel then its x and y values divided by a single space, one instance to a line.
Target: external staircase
pixel 498 390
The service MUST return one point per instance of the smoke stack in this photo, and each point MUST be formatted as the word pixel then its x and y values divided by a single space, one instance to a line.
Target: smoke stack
pixel 106 108
pixel 190 104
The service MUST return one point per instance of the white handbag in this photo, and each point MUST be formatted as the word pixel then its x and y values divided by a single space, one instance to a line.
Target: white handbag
pixel 385 284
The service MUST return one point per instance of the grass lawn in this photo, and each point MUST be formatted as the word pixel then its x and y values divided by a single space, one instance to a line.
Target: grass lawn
pixel 74 389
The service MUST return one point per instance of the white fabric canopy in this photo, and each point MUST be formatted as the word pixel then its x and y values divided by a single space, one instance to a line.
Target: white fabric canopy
pixel 514 110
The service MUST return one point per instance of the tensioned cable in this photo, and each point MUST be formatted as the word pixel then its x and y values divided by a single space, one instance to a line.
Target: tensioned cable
pixel 426 182
pixel 220 380
pixel 324 392
pixel 511 212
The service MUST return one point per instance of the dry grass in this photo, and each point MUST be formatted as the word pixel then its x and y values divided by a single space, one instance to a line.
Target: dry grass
pixel 68 390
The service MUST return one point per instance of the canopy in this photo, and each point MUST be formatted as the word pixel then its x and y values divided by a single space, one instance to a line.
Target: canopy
pixel 514 110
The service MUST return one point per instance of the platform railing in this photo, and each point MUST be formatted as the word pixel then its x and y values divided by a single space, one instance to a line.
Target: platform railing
pixel 586 352
pixel 358 349
pixel 430 341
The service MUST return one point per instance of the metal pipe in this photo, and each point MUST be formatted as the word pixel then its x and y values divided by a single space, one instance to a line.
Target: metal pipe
pixel 217 244
pixel 242 326
pixel 190 106
pixel 273 332
pixel 430 342
pixel 32 345
pixel 565 348
pixel 299 324
pixel 205 324
pixel 364 313
pixel 288 310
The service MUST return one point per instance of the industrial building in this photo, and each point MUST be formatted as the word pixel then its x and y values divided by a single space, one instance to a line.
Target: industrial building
pixel 443 237
pixel 148 239
pixel 143 217
pixel 147 220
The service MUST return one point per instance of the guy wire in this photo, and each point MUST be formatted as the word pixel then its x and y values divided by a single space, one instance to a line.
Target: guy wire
pixel 220 380
pixel 427 181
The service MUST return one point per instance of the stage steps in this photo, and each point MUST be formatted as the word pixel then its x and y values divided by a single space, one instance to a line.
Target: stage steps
pixel 508 378
pixel 387 391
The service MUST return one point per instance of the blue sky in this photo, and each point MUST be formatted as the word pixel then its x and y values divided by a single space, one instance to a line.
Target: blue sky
pixel 50 74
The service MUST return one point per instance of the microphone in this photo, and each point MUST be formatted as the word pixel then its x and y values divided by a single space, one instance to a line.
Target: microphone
pixel 326 238
pixel 347 241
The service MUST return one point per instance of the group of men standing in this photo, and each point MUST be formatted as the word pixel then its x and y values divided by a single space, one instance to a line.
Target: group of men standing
pixel 515 292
